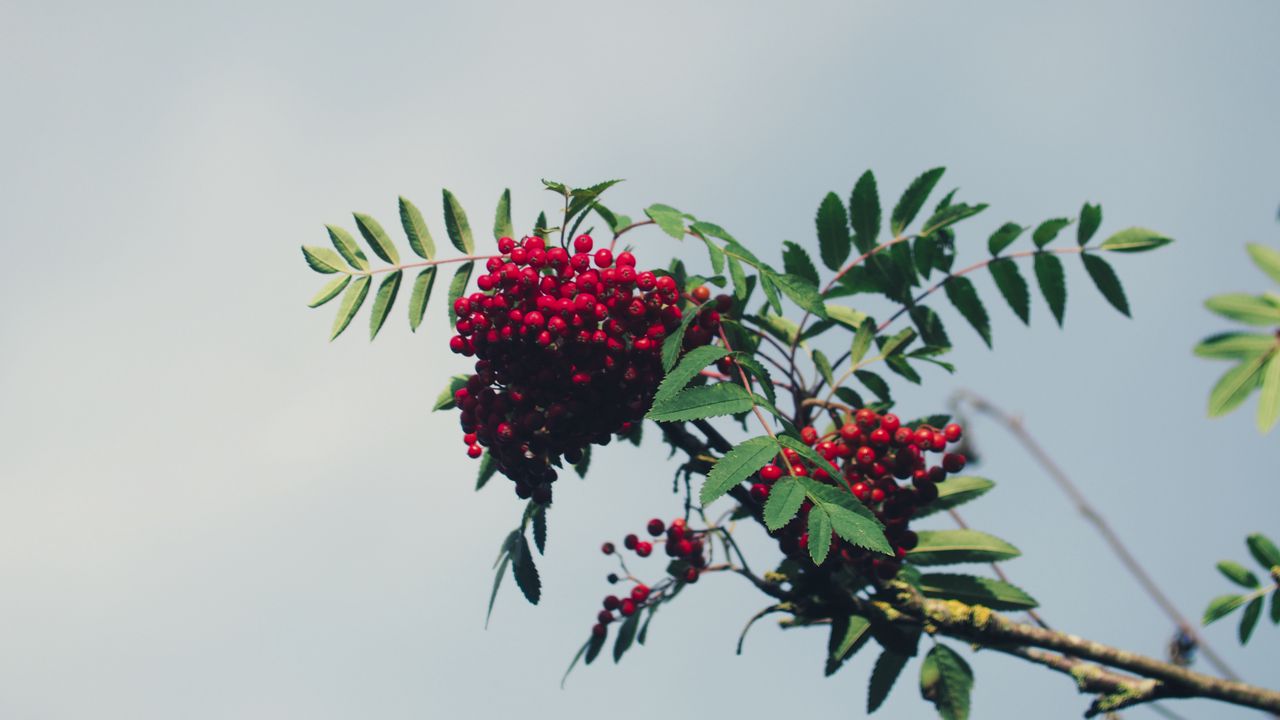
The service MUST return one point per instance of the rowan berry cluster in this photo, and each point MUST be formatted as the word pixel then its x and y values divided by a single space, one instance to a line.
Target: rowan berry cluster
pixel 883 464
pixel 568 353
pixel 686 546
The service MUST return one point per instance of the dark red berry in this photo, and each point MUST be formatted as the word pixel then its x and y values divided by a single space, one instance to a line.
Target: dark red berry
pixel 607 548
pixel 656 527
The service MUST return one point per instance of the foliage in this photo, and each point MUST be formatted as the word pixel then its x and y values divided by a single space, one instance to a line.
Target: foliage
pixel 1266 554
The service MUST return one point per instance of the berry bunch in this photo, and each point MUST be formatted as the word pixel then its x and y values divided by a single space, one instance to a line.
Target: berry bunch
pixel 567 354
pixel 883 464
pixel 684 544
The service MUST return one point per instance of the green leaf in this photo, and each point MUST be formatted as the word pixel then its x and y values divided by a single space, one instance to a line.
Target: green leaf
pixel 1267 260
pixel 769 285
pixel 540 230
pixel 377 238
pixel 674 343
pixel 899 342
pixel 668 218
pixel 502 226
pixel 802 293
pixel 703 402
pixel 352 299
pixel 875 384
pixel 415 228
pixel 540 529
pixel 347 247
pixel 741 290
pixel 930 326
pixel 946 547
pixel 1252 612
pixel 846 316
pixel 626 634
pixel 444 401
pixel 824 367
pixel 848 634
pixel 955 683
pixel 419 296
pixel 1269 398
pixel 1104 277
pixel 1090 219
pixel 456 225
pixel 383 300
pixel 886 671
pixel 322 260
pixel 524 571
pixel 714 253
pixel 913 199
pixel 1004 237
pixel 779 327
pixel 850 519
pixel 687 369
pixel 488 468
pixel 1264 551
pixel 1236 345
pixel 329 291
pixel 1220 607
pixel 594 646
pixel 1235 385
pixel 1013 287
pixel 974 590
pixel 1046 231
pixel 504 559
pixel 1275 608
pixel 819 535
pixel 737 465
pixel 783 503
pixel 964 297
pixel 950 215
pixel 797 262
pixel 834 242
pixel 458 286
pixel 864 212
pixel 759 372
pixel 1249 309
pixel 1135 239
pixel 862 341
pixel 1053 283
pixel 1236 573
pixel 956 491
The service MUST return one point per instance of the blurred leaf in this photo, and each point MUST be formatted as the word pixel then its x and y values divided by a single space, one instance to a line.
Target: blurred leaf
pixel 951 215
pixel 875 384
pixel 930 326
pixel 1013 287
pixel 419 296
pixel 524 571
pixel 1134 239
pixel 703 402
pixel 1046 231
pixel 540 226
pixel 626 634
pixel 913 199
pixel 945 547
pixel 1267 260
pixel 488 468
pixel 1053 283
pixel 955 491
pixel 797 262
pixel 1004 237
pixel 783 503
pixel 964 297
pixel 445 401
pixel 848 634
pixel 1236 573
pixel 1269 398
pixel 322 260
pixel 974 590
pixel 896 344
pixel 864 212
pixel 377 238
pixel 955 683
pixel 1235 385
pixel 845 316
pixel 456 225
pixel 458 286
pixel 383 300
pixel 347 247
pixel 834 242
pixel 824 367
pixel 802 293
pixel 1104 277
pixel 1264 551
pixel 415 228
pixel 1245 308
pixel 329 291
pixel 352 299
pixel 502 226
pixel 1220 607
pixel 1252 612
pixel 740 463
pixel 862 341
pixel 1090 219
pixel 1236 345
pixel 504 559
pixel 668 218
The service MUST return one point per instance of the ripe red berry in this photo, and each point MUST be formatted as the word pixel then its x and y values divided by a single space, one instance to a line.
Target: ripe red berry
pixel 583 244
pixel 890 423
pixel 759 492
pixel 809 435
pixel 607 548
pixel 865 417
pixel 625 259
pixel 643 548
pixel 605 617
pixel 691 575
pixel 865 455
pixel 879 436
pixel 952 432
pixel 953 462
pixel 604 257
pixel 770 472
pixel 640 593
pixel 700 294
pixel 656 527
pixel 475 451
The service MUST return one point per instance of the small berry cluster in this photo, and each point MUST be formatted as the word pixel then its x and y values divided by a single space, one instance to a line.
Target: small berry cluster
pixel 682 544
pixel 883 464
pixel 567 354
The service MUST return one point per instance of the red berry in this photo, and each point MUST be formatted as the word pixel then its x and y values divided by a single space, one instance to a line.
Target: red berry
pixel 952 432
pixel 879 436
pixel 583 243
pixel 630 541
pixel 611 602
pixel 625 259
pixel 607 548
pixel 640 593
pixel 599 630
pixel 605 617
pixel 700 294
pixel 809 435
pixel 770 472
pixel 953 462
pixel 865 455
pixel 691 575
pixel 759 492
pixel 656 527
pixel 890 423
pixel 475 451
pixel 643 548
pixel 604 257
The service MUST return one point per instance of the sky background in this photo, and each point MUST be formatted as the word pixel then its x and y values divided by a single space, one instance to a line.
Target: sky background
pixel 209 511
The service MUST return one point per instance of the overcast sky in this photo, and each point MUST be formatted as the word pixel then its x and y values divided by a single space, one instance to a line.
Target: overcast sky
pixel 209 511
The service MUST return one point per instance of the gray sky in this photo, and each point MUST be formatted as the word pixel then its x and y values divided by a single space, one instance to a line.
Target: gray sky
pixel 208 511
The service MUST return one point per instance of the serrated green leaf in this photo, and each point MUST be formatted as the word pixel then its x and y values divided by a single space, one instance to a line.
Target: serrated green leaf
pixel 457 226
pixel 862 341
pixel 1004 237
pixel 796 261
pixel 956 491
pixel 329 291
pixel 945 547
pixel 488 468
pixel 850 519
pixel 955 683
pixel 845 316
pixel 1235 385
pixel 458 286
pixel 950 215
pixel 415 228
pixel 1053 283
pixel 962 294
pixel 848 634
pixel 802 292
pixel 502 226
pixel 540 529
pixel 540 226
pixel 886 671
pixel 785 498
pixel 1236 345
pixel 419 296
pixel 834 243
pixel 703 402
pixel 740 463
pixel 1220 607
pixel 1134 239
pixel 626 634
pixel 864 212
pixel 1252 612
pixel 923 250
pixel 524 570
pixel 668 218
pixel 1090 219
pixel 687 369
pixel 1238 574
pixel 383 300
pixel 875 384
pixel 819 535
pixel 913 199
pixel 1245 308
pixel 444 401
pixel 714 253
pixel 377 238
pixel 347 247
pixel 1013 287
pixel 930 326
pixel 352 299
pixel 770 288
pixel 322 260
pixel 1267 259
pixel 1107 282
pixel 1264 551
pixel 974 590
pixel 741 290
pixel 824 367
pixel 674 343
pixel 1046 231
